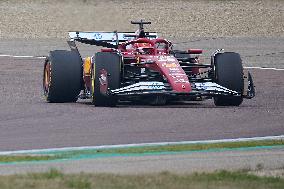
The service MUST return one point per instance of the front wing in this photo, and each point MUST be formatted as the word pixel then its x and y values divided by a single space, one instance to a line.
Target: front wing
pixel 199 89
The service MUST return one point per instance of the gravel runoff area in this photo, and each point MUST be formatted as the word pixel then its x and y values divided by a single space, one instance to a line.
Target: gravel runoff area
pixel 178 19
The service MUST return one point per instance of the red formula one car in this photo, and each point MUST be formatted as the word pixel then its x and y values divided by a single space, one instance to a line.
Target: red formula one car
pixel 139 66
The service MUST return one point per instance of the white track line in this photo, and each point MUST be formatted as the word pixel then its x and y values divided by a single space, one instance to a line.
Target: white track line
pixel 263 68
pixel 139 145
pixel 42 57
pixel 21 56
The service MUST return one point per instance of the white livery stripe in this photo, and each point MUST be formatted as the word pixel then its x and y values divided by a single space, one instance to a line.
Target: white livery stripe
pixel 262 68
pixel 210 86
pixel 21 56
pixel 140 86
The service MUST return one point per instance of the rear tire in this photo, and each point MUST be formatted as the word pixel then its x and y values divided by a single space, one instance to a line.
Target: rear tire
pixel 111 63
pixel 62 76
pixel 229 74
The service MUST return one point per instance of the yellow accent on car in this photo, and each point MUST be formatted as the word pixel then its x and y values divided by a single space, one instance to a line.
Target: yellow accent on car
pixel 93 84
pixel 138 60
pixel 87 66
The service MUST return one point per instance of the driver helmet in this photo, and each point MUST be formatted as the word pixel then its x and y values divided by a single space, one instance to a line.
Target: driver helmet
pixel 144 48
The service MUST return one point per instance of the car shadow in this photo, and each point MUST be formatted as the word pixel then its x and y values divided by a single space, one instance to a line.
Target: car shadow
pixel 174 104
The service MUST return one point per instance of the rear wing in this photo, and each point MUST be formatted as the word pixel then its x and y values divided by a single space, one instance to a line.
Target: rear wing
pixel 107 39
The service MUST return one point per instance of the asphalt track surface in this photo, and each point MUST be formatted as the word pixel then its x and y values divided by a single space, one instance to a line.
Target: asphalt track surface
pixel 28 122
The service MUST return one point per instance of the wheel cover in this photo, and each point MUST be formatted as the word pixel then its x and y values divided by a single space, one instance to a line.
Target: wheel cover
pixel 47 78
pixel 103 80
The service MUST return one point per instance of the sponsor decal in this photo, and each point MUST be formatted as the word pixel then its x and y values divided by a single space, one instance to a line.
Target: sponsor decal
pixel 156 86
pixel 147 61
pixel 174 69
pixel 162 58
pixel 169 65
pixel 181 80
pixel 141 86
pixel 173 72
pixel 167 58
pixel 177 74
pixel 202 86
pixel 98 36
pixel 171 59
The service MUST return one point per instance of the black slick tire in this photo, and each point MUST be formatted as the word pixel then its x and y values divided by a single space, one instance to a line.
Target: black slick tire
pixel 229 73
pixel 111 63
pixel 62 77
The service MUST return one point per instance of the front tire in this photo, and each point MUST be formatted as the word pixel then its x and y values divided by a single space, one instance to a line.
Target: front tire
pixel 229 74
pixel 62 76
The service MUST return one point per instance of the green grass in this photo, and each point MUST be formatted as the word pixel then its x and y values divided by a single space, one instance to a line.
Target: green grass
pixel 77 154
pixel 165 180
pixel 24 158
pixel 172 148
pixel 191 147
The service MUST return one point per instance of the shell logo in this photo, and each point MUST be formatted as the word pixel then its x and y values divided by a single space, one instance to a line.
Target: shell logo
pixel 169 65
